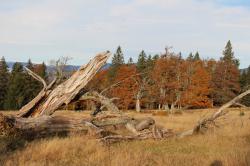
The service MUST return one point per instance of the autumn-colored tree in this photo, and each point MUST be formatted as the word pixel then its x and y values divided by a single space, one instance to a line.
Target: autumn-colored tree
pixel 127 88
pixel 40 69
pixel 99 82
pixel 165 76
pixel 196 87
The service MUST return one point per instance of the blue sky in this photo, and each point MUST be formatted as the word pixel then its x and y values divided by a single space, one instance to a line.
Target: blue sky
pixel 47 29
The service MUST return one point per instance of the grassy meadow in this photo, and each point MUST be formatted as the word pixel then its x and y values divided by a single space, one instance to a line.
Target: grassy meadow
pixel 227 145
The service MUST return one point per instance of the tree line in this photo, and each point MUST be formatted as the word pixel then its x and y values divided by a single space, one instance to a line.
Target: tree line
pixel 170 81
pixel 164 81
pixel 17 88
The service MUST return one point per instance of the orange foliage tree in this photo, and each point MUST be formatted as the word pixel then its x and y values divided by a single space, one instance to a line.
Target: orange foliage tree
pixel 127 87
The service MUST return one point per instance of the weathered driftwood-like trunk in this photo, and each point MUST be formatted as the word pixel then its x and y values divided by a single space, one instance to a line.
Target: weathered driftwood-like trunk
pixel 49 100
pixel 204 123
pixel 106 102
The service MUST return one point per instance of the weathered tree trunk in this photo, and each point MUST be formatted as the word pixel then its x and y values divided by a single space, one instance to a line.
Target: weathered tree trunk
pixel 138 105
pixel 106 102
pixel 203 123
pixel 49 100
pixel 45 126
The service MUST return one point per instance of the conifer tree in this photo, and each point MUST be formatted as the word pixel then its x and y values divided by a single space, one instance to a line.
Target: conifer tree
pixel 197 56
pixel 117 61
pixel 130 61
pixel 142 62
pixel 32 86
pixel 228 54
pixel 150 63
pixel 118 58
pixel 190 57
pixel 4 78
pixel 155 57
pixel 226 79
pixel 16 90
pixel 245 84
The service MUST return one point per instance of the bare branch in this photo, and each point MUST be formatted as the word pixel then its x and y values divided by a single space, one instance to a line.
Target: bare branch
pixel 35 76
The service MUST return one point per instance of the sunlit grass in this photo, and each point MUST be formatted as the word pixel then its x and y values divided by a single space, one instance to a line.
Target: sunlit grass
pixel 229 144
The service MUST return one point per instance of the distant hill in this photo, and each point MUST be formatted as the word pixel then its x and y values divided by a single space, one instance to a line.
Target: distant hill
pixel 51 68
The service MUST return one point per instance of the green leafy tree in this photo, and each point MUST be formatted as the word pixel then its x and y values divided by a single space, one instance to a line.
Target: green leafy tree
pixel 16 91
pixel 4 78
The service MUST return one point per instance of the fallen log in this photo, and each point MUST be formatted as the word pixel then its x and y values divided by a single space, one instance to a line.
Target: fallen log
pixel 204 123
pixel 106 102
pixel 49 100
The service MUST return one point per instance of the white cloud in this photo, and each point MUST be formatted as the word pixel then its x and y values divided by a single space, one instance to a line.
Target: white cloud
pixel 65 27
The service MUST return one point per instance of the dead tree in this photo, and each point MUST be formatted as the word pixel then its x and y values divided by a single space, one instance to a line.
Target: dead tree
pixel 49 100
pixel 205 122
pixel 106 102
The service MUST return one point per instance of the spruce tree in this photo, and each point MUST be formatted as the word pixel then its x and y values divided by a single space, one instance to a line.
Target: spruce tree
pixel 117 61
pixel 156 57
pixel 197 56
pixel 4 78
pixel 16 90
pixel 32 86
pixel 190 57
pixel 150 63
pixel 245 84
pixel 142 62
pixel 243 79
pixel 228 54
pixel 226 77
pixel 118 58
pixel 130 61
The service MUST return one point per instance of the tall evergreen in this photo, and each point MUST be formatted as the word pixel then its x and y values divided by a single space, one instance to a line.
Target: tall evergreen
pixel 197 56
pixel 142 61
pixel 118 58
pixel 117 61
pixel 190 57
pixel 150 63
pixel 32 86
pixel 228 54
pixel 155 57
pixel 4 78
pixel 226 77
pixel 130 61
pixel 245 84
pixel 16 90
pixel 243 78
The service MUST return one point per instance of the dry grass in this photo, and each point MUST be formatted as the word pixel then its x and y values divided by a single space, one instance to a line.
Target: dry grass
pixel 229 144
